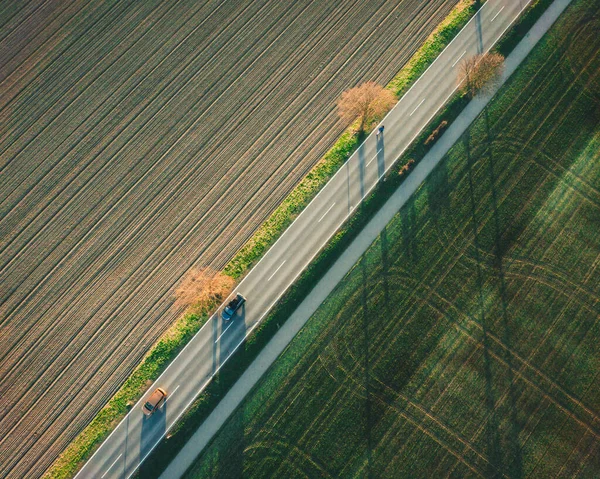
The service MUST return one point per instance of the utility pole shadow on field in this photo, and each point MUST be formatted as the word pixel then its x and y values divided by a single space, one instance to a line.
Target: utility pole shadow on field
pixel 408 217
pixel 516 464
pixel 492 428
pixel 366 322
pixel 385 264
pixel 438 192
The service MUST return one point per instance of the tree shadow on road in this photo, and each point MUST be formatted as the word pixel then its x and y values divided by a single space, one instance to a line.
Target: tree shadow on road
pixel 361 169
pixel 380 155
pixel 479 32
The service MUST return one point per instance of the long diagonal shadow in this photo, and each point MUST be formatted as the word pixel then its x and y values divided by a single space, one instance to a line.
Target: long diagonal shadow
pixel 438 191
pixel 408 215
pixel 126 443
pixel 215 336
pixel 516 465
pixel 366 322
pixel 384 264
pixel 492 427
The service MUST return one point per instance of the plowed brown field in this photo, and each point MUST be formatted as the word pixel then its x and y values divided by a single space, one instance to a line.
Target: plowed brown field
pixel 132 134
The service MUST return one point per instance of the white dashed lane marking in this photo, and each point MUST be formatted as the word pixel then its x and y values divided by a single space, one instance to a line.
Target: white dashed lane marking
pixel 417 107
pixel 276 270
pixel 496 15
pixel 102 477
pixel 454 64
pixel 328 210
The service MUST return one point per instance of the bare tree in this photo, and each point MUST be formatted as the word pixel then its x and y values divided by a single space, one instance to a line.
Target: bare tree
pixel 201 286
pixel 480 74
pixel 366 104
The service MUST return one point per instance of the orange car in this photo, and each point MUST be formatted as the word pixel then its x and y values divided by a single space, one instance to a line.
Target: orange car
pixel 155 401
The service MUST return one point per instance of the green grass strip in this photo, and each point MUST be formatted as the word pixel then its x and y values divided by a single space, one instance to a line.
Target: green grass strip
pixel 433 46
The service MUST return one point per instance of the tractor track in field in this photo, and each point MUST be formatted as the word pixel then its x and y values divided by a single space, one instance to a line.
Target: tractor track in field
pixel 121 125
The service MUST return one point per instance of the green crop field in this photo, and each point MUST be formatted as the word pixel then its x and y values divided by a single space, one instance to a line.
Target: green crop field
pixel 466 342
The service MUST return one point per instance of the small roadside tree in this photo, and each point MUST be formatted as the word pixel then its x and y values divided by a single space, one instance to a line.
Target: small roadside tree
pixel 366 104
pixel 480 74
pixel 202 286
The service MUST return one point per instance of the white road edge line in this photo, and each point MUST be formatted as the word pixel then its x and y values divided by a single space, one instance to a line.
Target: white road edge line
pixel 102 477
pixel 277 270
pixel 224 331
pixel 494 18
pixel 417 107
pixel 328 210
pixel 374 156
pixel 454 64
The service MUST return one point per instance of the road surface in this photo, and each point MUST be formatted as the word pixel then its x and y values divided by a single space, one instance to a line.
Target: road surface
pixel 135 437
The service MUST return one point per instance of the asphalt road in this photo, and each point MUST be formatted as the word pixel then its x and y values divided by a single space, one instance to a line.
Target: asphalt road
pixel 134 438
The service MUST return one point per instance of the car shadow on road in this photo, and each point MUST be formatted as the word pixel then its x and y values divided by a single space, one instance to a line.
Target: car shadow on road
pixel 153 428
pixel 380 156
pixel 231 456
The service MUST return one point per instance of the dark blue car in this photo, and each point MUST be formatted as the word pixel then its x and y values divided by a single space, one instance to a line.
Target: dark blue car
pixel 233 305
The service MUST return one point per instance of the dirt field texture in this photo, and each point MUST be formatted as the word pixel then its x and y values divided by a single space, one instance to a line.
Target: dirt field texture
pixel 132 134
pixel 465 343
